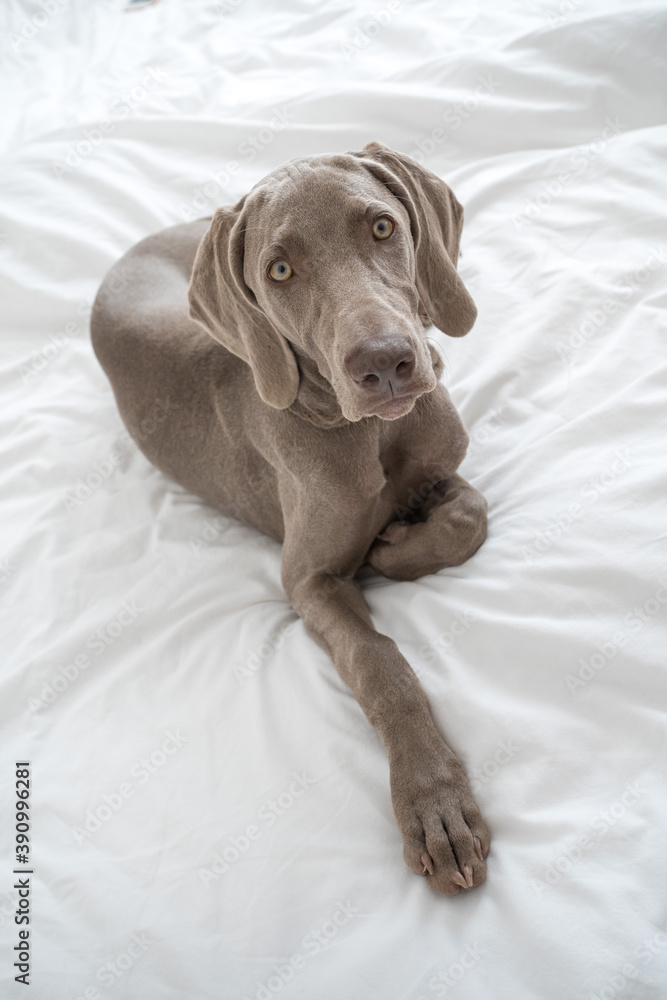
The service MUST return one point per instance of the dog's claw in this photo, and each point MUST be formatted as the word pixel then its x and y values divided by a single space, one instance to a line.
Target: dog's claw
pixel 478 848
pixel 431 797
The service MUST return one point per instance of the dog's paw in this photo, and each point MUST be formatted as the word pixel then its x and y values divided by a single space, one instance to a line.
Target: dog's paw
pixel 444 836
pixel 396 553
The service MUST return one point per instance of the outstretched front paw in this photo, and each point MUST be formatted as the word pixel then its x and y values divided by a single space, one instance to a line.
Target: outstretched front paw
pixel 444 835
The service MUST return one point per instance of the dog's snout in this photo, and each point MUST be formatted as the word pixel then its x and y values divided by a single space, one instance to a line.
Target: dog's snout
pixel 381 368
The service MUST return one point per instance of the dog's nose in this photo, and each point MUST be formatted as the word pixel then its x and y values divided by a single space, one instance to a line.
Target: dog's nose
pixel 381 368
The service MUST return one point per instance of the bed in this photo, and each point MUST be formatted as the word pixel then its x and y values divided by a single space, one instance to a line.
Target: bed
pixel 210 810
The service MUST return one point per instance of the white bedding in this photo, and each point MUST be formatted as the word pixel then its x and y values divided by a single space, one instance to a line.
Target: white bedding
pixel 211 810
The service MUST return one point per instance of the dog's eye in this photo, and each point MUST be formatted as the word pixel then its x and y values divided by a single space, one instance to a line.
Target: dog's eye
pixel 280 271
pixel 383 228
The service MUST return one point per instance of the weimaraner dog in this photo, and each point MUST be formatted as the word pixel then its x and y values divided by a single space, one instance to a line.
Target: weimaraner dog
pixel 287 334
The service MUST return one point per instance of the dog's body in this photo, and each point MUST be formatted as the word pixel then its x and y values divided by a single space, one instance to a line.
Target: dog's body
pixel 315 416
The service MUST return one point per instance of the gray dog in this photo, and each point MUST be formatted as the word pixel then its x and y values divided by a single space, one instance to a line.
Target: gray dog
pixel 287 334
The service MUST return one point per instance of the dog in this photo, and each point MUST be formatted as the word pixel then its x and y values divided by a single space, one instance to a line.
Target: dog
pixel 287 332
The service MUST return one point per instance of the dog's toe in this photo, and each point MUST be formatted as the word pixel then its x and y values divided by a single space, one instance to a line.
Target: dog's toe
pixel 445 838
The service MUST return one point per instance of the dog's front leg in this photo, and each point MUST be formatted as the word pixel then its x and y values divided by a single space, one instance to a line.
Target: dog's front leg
pixel 453 528
pixel 444 834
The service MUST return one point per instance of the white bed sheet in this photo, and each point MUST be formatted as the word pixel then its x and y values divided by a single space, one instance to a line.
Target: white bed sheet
pixel 211 809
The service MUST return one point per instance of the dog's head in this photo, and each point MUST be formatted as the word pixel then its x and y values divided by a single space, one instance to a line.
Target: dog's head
pixel 334 257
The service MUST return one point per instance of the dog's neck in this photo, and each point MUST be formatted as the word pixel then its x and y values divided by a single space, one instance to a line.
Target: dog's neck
pixel 316 400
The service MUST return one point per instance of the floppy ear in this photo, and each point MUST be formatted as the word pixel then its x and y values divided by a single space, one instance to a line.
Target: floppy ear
pixel 222 302
pixel 436 220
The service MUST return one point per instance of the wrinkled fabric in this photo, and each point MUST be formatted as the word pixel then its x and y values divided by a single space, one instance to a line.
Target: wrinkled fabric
pixel 211 810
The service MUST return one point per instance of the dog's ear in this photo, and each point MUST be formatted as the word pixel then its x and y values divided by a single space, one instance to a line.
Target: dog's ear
pixel 222 302
pixel 436 220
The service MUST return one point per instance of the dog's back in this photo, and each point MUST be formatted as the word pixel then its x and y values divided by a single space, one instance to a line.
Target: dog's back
pixel 174 384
